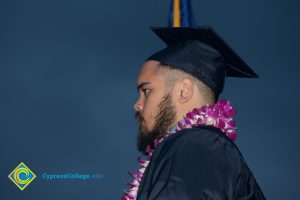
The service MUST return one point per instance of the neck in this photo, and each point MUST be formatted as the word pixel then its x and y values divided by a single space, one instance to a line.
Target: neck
pixel 182 111
pixel 218 115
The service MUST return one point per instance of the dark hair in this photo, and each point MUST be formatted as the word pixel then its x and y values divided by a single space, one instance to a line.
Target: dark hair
pixel 173 74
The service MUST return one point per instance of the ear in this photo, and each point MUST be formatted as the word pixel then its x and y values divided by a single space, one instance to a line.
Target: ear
pixel 185 90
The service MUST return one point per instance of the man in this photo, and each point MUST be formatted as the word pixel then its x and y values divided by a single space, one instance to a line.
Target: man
pixel 187 135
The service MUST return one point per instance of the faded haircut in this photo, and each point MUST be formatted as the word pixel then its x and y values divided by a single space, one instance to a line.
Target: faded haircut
pixel 172 75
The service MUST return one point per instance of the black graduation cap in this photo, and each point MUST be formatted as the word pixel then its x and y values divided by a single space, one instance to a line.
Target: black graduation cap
pixel 202 53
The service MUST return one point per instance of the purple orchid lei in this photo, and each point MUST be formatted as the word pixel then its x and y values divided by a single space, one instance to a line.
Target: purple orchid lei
pixel 218 115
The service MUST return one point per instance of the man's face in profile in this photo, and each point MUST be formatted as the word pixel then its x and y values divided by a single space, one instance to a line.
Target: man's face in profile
pixel 155 110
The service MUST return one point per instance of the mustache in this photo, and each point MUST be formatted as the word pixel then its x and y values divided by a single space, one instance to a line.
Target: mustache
pixel 138 117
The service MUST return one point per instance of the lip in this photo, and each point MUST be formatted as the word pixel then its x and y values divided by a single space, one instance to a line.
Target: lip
pixel 138 117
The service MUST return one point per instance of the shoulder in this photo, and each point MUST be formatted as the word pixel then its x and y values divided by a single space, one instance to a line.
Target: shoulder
pixel 204 143
pixel 197 160
pixel 207 137
pixel 200 162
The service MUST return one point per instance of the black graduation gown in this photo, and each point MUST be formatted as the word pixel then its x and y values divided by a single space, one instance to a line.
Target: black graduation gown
pixel 198 163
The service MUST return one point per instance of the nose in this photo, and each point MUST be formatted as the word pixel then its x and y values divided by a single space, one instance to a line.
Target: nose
pixel 138 106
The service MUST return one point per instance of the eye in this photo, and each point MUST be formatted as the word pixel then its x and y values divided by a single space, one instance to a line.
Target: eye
pixel 146 91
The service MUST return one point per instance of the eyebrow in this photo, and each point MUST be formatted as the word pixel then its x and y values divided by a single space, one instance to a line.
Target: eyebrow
pixel 141 85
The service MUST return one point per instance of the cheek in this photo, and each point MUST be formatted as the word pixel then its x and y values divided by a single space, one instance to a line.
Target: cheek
pixel 149 112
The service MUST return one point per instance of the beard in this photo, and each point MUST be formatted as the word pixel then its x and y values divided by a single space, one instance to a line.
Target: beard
pixel 164 119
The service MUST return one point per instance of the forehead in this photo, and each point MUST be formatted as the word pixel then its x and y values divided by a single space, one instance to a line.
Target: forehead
pixel 147 73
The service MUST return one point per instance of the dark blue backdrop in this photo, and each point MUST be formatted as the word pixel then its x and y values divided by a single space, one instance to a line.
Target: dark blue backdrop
pixel 68 71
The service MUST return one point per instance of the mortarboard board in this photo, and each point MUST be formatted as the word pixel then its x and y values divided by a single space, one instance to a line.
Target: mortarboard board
pixel 202 53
